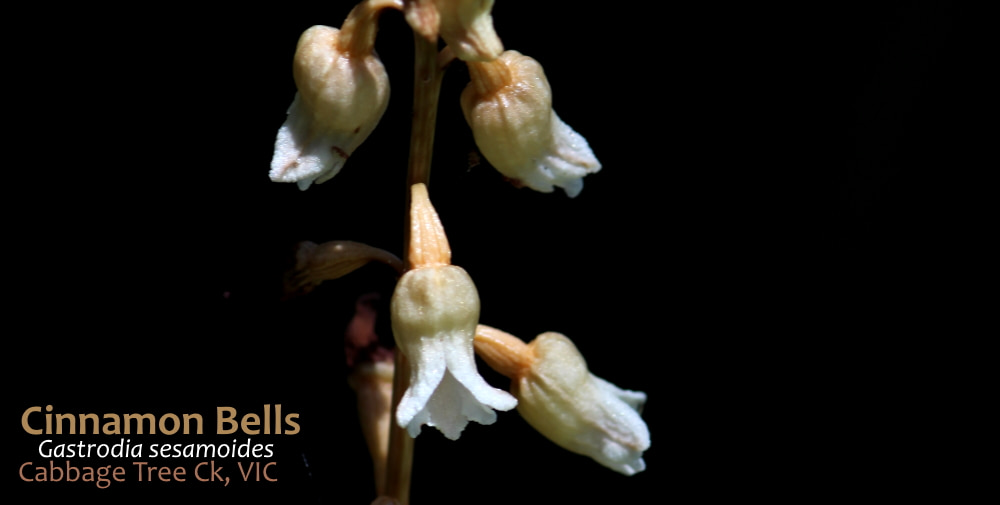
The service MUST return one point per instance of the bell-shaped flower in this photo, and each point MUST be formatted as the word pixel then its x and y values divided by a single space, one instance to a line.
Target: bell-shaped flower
pixel 560 398
pixel 434 313
pixel 465 25
pixel 508 104
pixel 343 90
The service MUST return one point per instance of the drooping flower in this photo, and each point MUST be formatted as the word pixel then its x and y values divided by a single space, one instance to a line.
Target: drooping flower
pixel 508 105
pixel 465 25
pixel 559 397
pixel 343 90
pixel 434 312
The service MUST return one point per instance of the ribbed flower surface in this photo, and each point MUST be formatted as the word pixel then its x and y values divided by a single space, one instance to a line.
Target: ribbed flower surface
pixel 435 310
pixel 508 105
pixel 559 397
pixel 343 90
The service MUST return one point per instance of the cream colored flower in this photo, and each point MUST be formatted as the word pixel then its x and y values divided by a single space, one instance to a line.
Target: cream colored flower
pixel 343 90
pixel 508 105
pixel 465 25
pixel 560 398
pixel 435 309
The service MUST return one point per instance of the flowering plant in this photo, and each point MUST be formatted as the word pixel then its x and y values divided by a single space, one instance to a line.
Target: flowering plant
pixel 435 308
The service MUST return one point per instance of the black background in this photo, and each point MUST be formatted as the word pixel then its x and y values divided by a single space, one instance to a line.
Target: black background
pixel 783 196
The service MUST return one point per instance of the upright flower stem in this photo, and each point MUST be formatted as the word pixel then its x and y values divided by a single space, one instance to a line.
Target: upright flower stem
pixel 400 458
pixel 427 76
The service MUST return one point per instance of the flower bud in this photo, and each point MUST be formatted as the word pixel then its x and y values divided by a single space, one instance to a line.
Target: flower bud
pixel 559 397
pixel 343 90
pixel 435 309
pixel 508 105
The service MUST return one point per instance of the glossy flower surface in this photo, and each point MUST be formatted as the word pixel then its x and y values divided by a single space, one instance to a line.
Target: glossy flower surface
pixel 508 105
pixel 559 397
pixel 435 309
pixel 343 90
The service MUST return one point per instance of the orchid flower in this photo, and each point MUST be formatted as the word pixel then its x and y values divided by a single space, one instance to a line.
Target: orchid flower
pixel 343 90
pixel 559 397
pixel 508 105
pixel 435 309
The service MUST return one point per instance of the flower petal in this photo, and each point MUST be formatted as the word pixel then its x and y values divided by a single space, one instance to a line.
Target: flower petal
pixel 446 391
pixel 427 370
pixel 624 434
pixel 566 160
pixel 450 409
pixel 301 156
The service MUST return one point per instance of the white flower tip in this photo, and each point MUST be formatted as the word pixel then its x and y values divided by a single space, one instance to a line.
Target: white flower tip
pixel 623 463
pixel 451 405
pixel 301 160
pixel 624 455
pixel 569 161
pixel 305 169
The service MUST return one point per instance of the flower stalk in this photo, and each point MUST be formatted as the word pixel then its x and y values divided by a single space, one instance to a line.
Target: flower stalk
pixel 359 29
pixel 427 77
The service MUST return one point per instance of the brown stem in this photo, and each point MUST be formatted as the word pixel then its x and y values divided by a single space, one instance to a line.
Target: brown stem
pixel 427 78
pixel 427 86
pixel 399 462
